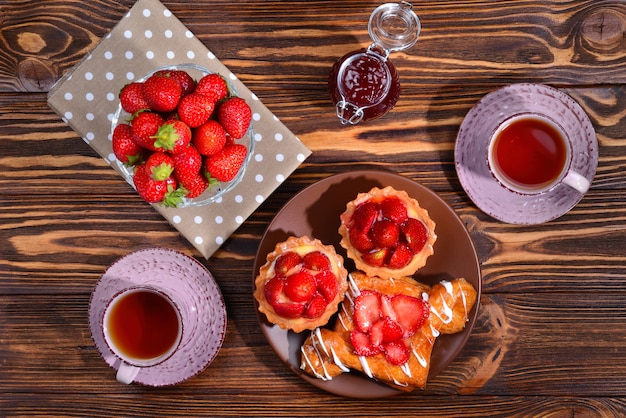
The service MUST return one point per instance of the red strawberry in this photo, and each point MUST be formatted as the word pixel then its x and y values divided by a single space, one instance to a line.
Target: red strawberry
pixel 366 310
pixel 362 344
pixel 209 138
pixel 385 233
pixel 225 165
pixel 300 286
pixel 364 216
pixel 400 257
pixel 391 330
pixel 144 126
pixel 162 93
pixel 289 309
pixel 173 136
pixel 194 185
pixel 393 209
pixel 132 99
pixel 214 86
pixel 159 165
pixel 235 116
pixel 195 109
pixel 396 352
pixel 154 191
pixel 360 240
pixel 187 163
pixel 186 81
pixel 327 285
pixel 124 147
pixel 415 233
pixel 285 262
pixel 316 260
pixel 273 290
pixel 315 307
pixel 411 313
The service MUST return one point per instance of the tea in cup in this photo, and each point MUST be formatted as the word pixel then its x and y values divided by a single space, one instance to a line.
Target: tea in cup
pixel 142 326
pixel 531 154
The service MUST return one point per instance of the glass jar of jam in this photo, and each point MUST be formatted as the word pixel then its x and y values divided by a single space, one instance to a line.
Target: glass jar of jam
pixel 364 84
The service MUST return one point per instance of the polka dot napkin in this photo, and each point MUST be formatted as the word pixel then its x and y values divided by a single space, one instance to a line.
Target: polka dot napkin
pixel 147 37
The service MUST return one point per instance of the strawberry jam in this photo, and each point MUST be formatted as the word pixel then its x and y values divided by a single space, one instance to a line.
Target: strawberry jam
pixel 364 84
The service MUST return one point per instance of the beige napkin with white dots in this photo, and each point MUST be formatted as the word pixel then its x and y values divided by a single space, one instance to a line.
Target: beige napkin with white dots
pixel 147 37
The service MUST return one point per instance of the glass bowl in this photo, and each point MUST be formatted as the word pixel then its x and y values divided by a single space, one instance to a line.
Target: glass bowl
pixel 215 191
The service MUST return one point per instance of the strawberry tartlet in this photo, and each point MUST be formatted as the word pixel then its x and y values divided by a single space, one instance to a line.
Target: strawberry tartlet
pixel 387 233
pixel 301 284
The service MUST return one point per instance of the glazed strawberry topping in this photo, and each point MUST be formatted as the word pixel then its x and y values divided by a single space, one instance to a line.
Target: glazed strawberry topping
pixel 384 233
pixel 301 286
pixel 382 323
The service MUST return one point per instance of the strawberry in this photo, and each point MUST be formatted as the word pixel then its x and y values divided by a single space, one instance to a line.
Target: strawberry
pixel 393 209
pixel 273 290
pixel 225 165
pixel 173 136
pixel 366 310
pixel 184 79
pixel 124 147
pixel 415 234
pixel 362 344
pixel 390 330
pixel 385 233
pixel 396 352
pixel 187 163
pixel 316 260
pixel 286 262
pixel 132 99
pixel 144 126
pixel 214 86
pixel 195 109
pixel 235 116
pixel 159 165
pixel 300 286
pixel 289 309
pixel 360 240
pixel 209 138
pixel 154 191
pixel 400 257
pixel 315 307
pixel 327 285
pixel 162 93
pixel 411 313
pixel 364 216
pixel 194 185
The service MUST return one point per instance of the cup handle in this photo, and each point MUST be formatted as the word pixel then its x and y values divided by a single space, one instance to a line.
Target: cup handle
pixel 576 181
pixel 126 373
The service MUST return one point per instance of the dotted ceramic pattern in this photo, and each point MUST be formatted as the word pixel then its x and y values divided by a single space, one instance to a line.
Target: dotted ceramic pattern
pixel 149 36
pixel 472 143
pixel 192 288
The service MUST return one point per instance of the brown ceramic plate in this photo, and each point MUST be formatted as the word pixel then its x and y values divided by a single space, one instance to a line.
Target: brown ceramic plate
pixel 315 212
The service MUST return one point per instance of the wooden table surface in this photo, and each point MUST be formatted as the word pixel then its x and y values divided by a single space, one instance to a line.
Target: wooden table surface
pixel 550 339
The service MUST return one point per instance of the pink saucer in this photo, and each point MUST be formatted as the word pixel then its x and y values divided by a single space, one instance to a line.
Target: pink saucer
pixel 203 313
pixel 470 152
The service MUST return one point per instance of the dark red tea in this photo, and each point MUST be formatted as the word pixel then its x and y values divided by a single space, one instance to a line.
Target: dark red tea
pixel 143 325
pixel 530 152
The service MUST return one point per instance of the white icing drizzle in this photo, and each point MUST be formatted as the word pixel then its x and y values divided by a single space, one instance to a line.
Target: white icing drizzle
pixel 422 361
pixel 366 367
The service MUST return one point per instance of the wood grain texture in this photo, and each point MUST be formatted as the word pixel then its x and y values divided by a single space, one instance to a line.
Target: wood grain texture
pixel 550 337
